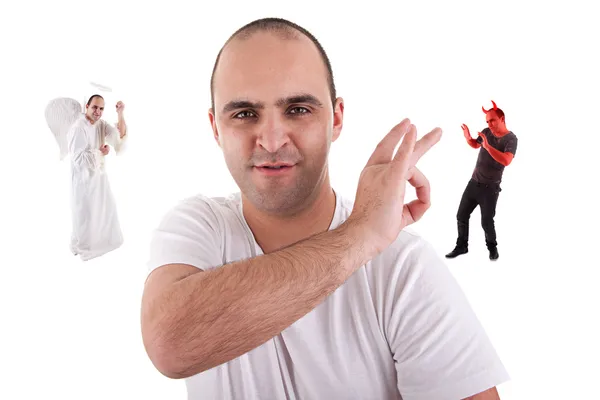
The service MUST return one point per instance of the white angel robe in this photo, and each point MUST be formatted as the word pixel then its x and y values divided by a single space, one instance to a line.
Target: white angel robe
pixel 96 228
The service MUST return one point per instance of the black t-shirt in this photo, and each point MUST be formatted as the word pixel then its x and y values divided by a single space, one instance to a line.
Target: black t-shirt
pixel 487 170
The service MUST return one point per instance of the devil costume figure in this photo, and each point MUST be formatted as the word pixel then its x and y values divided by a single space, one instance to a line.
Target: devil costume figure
pixel 497 147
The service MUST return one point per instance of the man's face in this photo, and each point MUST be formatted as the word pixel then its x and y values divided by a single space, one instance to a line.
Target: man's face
pixel 495 124
pixel 274 120
pixel 95 109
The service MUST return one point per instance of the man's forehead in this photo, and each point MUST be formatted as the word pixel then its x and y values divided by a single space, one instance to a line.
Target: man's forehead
pixel 265 56
pixel 257 44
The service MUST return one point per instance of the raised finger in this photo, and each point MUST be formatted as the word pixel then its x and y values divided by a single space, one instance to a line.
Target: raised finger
pixel 401 162
pixel 424 144
pixel 385 149
pixel 414 211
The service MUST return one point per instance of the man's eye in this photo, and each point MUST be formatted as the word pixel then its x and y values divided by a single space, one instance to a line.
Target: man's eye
pixel 244 114
pixel 299 110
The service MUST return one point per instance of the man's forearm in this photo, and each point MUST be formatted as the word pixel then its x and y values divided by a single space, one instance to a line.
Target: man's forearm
pixel 473 143
pixel 502 158
pixel 122 126
pixel 210 318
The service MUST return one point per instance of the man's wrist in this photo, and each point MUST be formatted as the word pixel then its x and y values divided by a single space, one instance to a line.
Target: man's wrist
pixel 362 247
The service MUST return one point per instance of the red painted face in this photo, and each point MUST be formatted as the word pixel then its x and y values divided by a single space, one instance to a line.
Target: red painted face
pixel 495 123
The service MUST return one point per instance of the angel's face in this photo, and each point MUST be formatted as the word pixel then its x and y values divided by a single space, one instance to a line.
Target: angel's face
pixel 95 109
pixel 274 120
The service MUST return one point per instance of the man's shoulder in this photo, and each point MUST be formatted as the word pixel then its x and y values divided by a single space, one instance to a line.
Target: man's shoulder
pixel 202 208
pixel 408 244
pixel 79 122
pixel 410 257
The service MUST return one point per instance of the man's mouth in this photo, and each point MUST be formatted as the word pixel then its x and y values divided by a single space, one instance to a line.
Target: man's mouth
pixel 274 169
pixel 275 166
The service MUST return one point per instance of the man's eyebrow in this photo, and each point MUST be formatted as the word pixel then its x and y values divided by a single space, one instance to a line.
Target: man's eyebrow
pixel 237 104
pixel 299 98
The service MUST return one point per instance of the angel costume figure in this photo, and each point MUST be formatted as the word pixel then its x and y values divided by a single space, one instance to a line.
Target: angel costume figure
pixel 96 228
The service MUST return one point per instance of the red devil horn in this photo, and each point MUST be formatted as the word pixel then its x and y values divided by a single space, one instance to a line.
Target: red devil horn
pixel 495 107
pixel 484 110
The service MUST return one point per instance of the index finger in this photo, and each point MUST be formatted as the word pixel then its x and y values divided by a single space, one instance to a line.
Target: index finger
pixel 402 159
pixel 385 149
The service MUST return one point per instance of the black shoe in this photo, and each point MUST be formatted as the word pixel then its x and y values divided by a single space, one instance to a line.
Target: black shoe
pixel 457 252
pixel 494 254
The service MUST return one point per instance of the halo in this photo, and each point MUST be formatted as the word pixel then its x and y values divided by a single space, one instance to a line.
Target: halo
pixel 103 88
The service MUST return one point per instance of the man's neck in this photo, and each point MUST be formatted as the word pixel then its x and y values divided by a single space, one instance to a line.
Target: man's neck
pixel 273 232
pixel 90 120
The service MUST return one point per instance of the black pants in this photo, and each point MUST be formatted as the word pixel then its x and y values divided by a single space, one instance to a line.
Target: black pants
pixel 486 197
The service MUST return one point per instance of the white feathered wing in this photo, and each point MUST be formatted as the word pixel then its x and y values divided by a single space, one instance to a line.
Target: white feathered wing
pixel 61 113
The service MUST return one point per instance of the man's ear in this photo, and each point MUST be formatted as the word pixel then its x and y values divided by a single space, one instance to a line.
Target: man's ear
pixel 213 125
pixel 338 118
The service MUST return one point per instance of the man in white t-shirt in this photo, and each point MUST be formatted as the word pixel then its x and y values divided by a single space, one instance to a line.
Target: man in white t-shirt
pixel 287 290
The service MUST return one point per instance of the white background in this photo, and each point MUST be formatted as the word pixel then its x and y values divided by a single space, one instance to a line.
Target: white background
pixel 70 330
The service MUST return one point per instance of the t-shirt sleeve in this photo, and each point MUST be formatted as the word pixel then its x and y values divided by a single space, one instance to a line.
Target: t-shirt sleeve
pixel 188 234
pixel 440 348
pixel 511 145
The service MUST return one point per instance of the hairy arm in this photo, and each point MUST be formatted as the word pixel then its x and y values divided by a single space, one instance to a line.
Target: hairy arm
pixel 193 320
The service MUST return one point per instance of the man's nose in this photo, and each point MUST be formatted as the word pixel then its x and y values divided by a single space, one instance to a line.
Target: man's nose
pixel 273 133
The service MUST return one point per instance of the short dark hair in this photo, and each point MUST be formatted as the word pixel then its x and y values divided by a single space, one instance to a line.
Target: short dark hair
pixel 499 113
pixel 92 98
pixel 288 30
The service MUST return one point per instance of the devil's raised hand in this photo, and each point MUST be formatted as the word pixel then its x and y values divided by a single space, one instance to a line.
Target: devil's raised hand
pixel 466 131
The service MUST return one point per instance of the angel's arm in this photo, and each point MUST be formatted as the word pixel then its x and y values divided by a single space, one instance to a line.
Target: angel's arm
pixel 122 126
pixel 116 136
pixel 81 152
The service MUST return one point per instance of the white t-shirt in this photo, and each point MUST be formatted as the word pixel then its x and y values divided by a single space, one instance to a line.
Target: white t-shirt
pixel 399 328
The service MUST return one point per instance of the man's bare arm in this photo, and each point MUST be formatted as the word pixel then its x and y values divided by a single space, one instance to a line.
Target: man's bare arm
pixel 193 321
pixel 473 143
pixel 122 126
pixel 490 394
